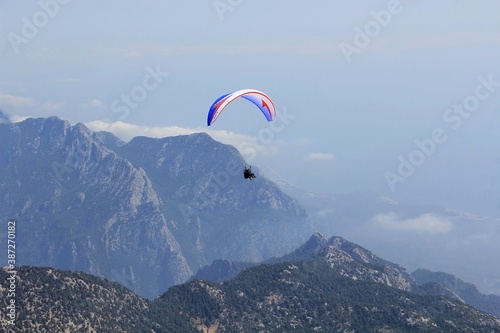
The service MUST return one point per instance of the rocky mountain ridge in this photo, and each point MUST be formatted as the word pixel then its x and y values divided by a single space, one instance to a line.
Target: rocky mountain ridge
pixel 344 257
pixel 357 263
pixel 309 296
pixel 142 213
pixel 301 296
pixel 414 235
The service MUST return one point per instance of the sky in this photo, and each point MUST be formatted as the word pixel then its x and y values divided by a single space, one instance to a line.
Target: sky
pixel 400 98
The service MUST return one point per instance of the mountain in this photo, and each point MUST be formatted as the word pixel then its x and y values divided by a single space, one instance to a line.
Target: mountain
pixel 413 235
pixel 4 117
pixel 51 300
pixel 79 206
pixel 300 296
pixel 212 208
pixel 344 257
pixel 309 296
pixel 451 285
pixel 145 213
pixel 221 270
pixel 353 261
pixel 109 139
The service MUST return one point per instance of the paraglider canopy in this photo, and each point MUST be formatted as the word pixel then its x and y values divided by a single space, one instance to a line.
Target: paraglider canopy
pixel 261 100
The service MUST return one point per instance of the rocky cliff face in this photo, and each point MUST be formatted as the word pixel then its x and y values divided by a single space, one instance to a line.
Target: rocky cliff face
pixel 353 261
pixel 80 206
pixel 209 205
pixel 146 213
pixel 344 257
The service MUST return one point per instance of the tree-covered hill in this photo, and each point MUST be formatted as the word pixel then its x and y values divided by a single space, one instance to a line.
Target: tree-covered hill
pixel 51 300
pixel 300 296
pixel 309 296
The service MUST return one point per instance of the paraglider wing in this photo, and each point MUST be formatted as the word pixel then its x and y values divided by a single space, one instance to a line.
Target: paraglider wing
pixel 261 100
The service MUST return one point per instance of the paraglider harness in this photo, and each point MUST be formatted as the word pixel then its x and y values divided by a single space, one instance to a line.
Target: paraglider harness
pixel 247 173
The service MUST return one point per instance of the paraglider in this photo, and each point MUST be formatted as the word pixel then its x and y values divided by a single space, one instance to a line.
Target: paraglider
pixel 261 100
pixel 248 174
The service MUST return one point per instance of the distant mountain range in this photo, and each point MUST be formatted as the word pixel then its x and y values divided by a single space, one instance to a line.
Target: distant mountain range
pixel 351 260
pixel 91 209
pixel 454 287
pixel 413 235
pixel 145 213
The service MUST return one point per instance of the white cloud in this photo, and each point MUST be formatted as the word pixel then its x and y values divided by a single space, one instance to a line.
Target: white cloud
pixel 127 131
pixel 96 103
pixel 15 101
pixel 320 157
pixel 53 106
pixel 248 146
pixel 429 223
pixel 302 142
pixel 18 119
pixel 93 104
pixel 323 213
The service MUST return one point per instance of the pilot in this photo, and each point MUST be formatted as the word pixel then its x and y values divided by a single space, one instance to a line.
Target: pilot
pixel 248 174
